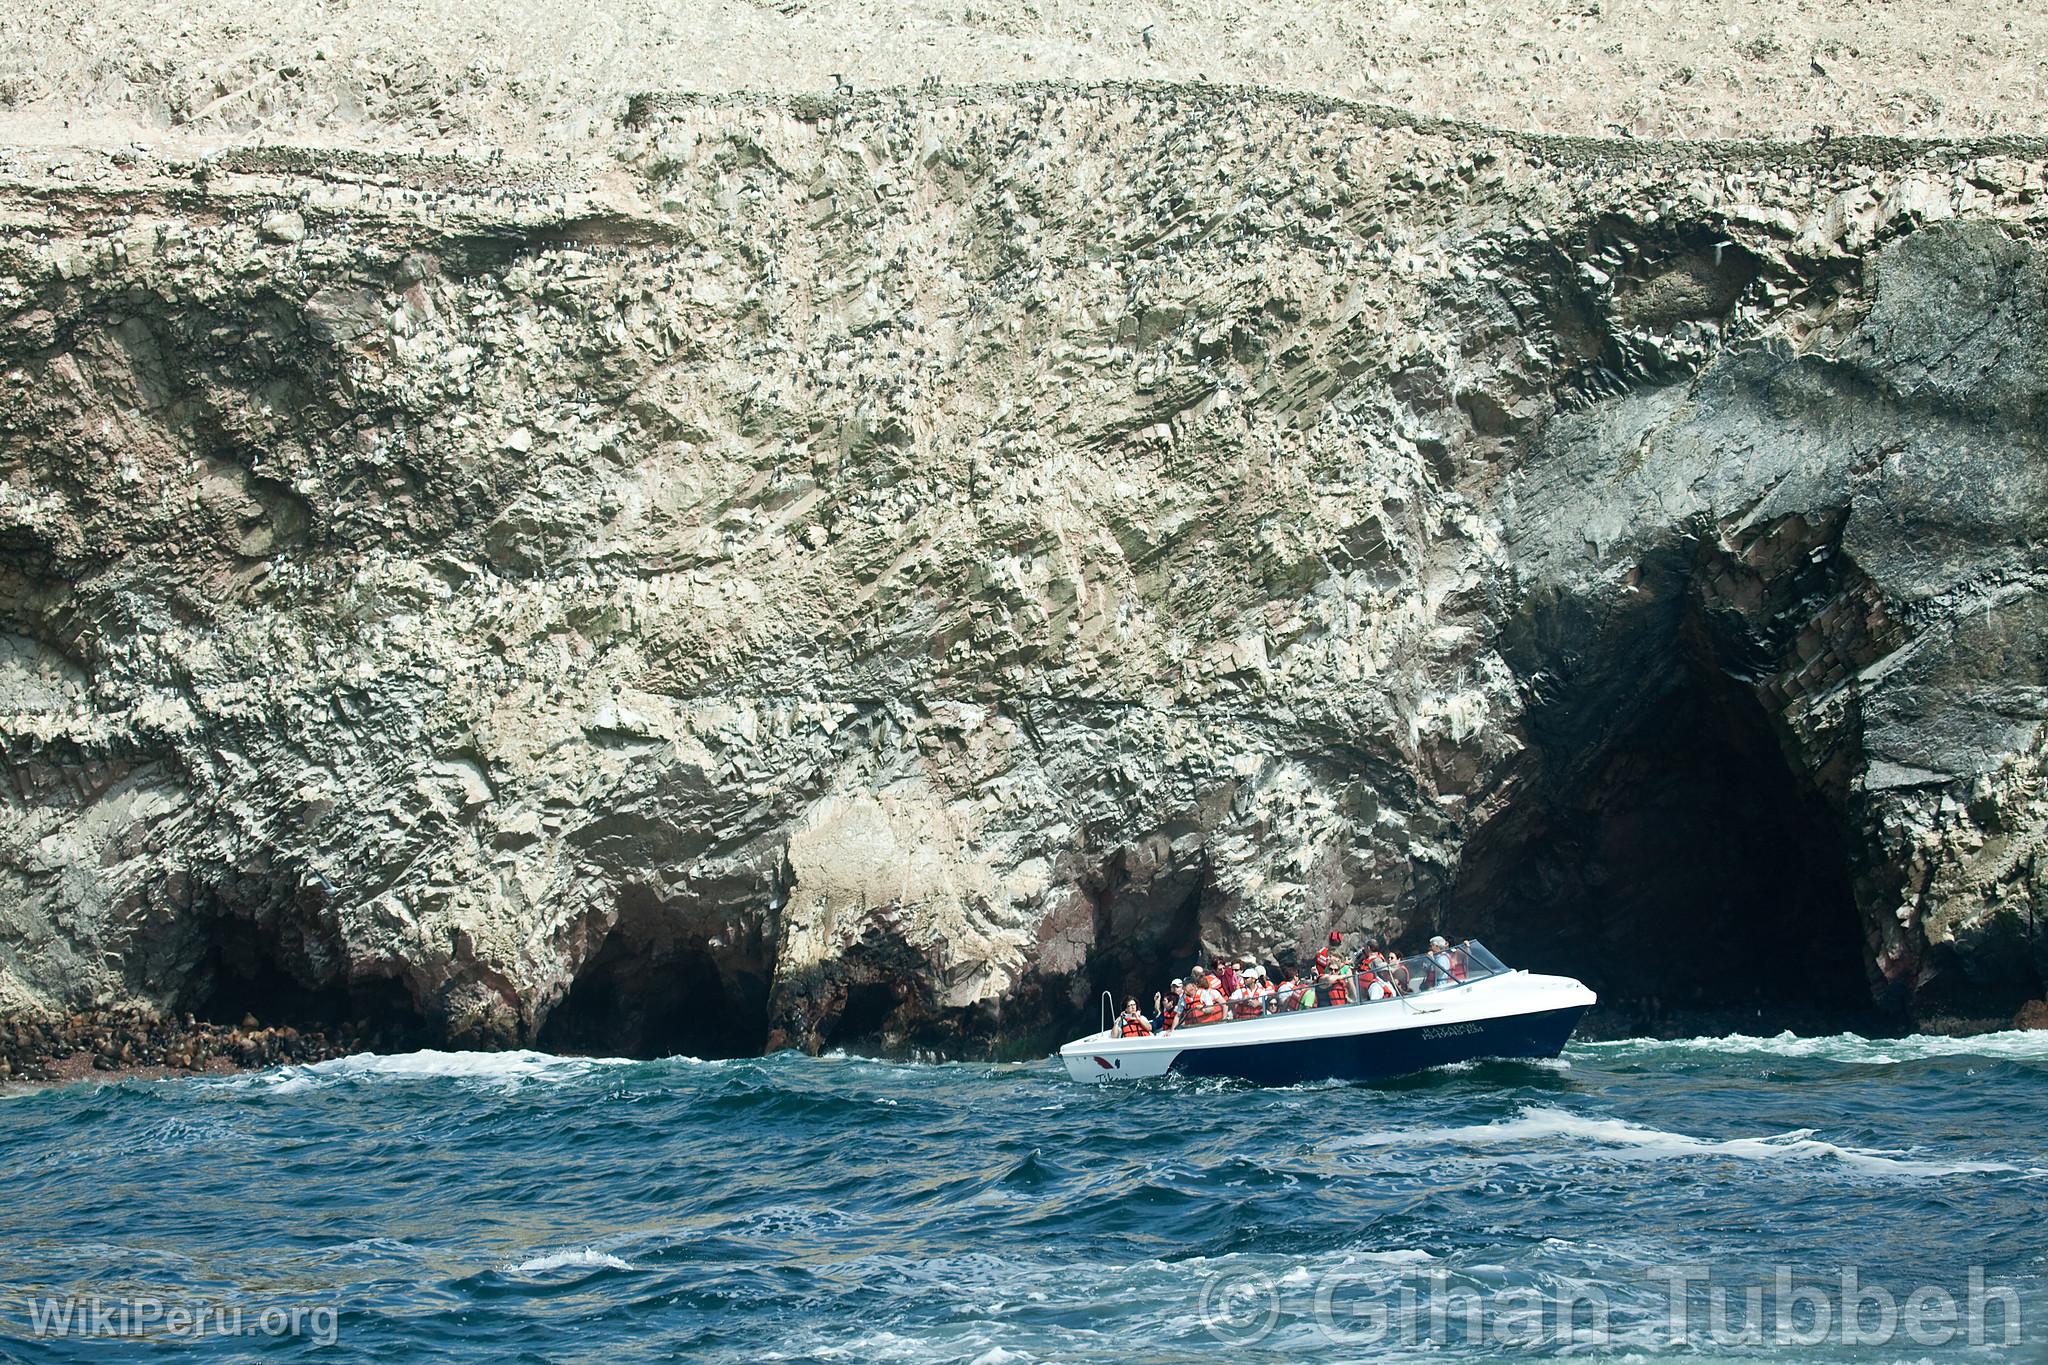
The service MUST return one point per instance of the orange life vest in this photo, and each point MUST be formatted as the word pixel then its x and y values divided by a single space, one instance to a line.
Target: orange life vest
pixel 1331 982
pixel 1134 1027
pixel 1204 1008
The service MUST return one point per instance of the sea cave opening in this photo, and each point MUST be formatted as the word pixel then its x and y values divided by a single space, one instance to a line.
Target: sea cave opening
pixel 1669 853
pixel 656 988
pixel 264 969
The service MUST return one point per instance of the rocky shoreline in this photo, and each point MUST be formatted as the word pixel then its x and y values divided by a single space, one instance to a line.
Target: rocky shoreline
pixel 136 1044
pixel 118 1045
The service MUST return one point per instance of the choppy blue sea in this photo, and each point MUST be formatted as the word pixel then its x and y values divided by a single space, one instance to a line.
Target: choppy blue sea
pixel 521 1206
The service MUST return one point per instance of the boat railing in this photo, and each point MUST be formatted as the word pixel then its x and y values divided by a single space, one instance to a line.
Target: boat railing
pixel 1389 981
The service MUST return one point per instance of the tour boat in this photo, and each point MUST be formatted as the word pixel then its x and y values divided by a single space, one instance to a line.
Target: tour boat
pixel 1459 1004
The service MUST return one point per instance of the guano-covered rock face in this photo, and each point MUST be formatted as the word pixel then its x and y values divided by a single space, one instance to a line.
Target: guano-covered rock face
pixel 893 567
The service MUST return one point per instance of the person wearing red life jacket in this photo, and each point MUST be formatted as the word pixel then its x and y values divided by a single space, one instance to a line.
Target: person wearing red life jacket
pixel 1131 1024
pixel 1205 1003
pixel 1264 982
pixel 1394 972
pixel 1170 1007
pixel 1445 966
pixel 1289 993
pixel 1330 972
pixel 1249 1000
pixel 1368 973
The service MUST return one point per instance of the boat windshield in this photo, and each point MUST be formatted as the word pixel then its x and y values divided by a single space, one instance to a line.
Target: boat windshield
pixel 1368 982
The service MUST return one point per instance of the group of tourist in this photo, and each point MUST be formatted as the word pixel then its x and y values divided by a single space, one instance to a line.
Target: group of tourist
pixel 1244 989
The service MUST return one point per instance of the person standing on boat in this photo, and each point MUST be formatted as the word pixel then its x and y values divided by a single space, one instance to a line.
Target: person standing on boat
pixel 1132 1024
pixel 1227 978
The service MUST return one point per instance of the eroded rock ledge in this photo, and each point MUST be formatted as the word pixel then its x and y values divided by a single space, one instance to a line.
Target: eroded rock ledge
pixel 894 567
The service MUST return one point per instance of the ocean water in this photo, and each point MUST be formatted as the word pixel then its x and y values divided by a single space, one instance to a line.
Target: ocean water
pixel 522 1206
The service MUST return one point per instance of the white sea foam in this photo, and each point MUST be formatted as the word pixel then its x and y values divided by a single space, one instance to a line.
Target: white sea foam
pixel 2026 1045
pixel 575 1258
pixel 505 1068
pixel 1545 1128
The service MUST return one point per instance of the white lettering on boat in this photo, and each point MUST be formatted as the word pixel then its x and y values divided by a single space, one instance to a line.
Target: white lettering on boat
pixel 1450 1031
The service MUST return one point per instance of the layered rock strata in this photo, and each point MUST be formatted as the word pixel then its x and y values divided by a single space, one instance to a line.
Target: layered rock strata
pixel 894 566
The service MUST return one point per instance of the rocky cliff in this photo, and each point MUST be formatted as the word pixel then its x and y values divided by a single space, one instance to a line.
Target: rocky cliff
pixel 891 566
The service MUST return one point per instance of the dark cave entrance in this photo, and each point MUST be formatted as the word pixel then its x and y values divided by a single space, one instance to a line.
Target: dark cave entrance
pixel 262 969
pixel 1141 951
pixel 872 1011
pixel 656 989
pixel 1669 853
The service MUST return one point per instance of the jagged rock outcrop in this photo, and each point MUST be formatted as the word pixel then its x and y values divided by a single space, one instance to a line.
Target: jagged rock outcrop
pixel 898 565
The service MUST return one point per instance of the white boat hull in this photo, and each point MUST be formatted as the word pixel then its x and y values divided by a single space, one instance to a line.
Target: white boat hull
pixel 1513 1014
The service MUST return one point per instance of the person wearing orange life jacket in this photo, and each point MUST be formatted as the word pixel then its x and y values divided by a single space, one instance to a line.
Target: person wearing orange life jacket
pixel 1289 993
pixel 1330 972
pixel 1204 1003
pixel 1368 972
pixel 1267 1003
pixel 1445 965
pixel 1170 1007
pixel 1370 987
pixel 1131 1024
pixel 1246 1002
pixel 1394 972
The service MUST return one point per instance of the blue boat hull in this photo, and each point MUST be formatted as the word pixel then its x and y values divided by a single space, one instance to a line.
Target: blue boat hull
pixel 1383 1055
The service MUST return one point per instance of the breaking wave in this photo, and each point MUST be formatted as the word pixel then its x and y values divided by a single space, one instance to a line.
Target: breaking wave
pixel 1541 1129
pixel 579 1258
pixel 499 1068
pixel 2020 1045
